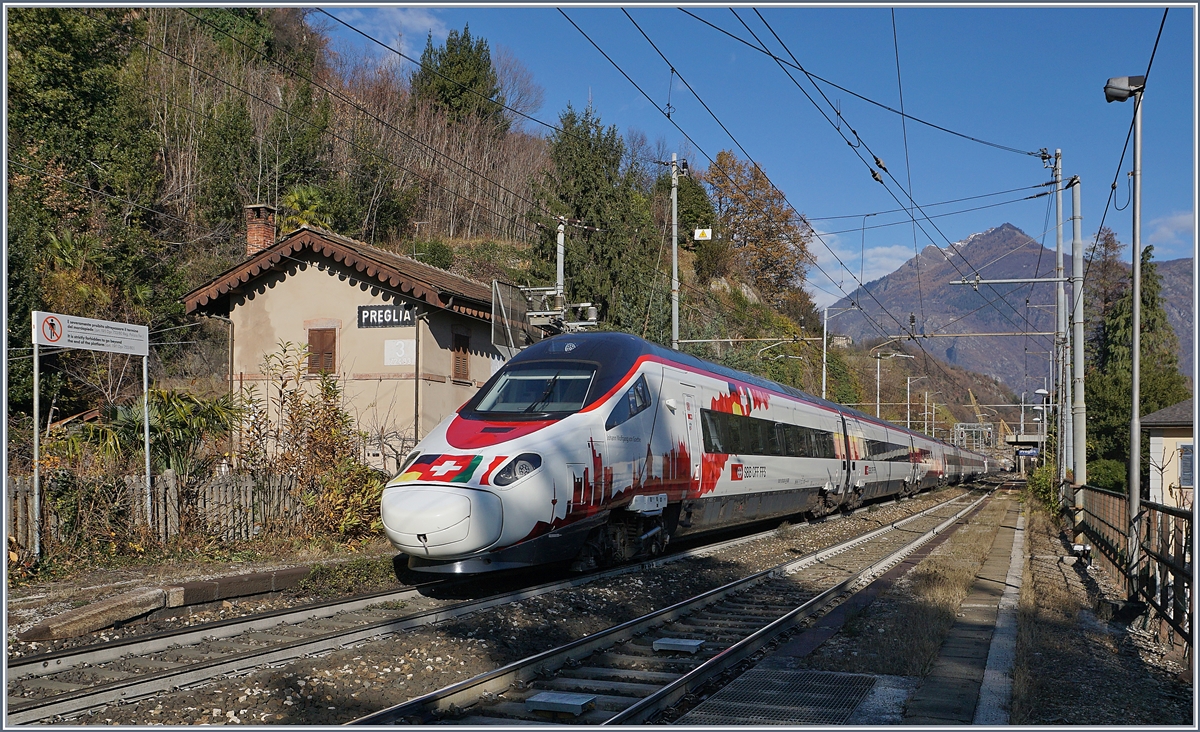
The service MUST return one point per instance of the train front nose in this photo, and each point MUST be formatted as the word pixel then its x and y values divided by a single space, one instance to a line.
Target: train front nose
pixel 437 522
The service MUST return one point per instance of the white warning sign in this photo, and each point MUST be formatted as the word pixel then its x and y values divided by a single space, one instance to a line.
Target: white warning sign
pixel 68 331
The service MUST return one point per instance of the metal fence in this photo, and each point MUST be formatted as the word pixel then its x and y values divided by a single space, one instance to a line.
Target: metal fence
pixel 1164 559
pixel 232 507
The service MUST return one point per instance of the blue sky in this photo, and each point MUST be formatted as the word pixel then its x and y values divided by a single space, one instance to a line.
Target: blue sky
pixel 1023 78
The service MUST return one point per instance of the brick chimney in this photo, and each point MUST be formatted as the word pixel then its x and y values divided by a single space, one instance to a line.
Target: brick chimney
pixel 260 228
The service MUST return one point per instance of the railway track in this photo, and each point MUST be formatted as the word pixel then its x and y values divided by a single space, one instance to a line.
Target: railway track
pixel 65 683
pixel 629 673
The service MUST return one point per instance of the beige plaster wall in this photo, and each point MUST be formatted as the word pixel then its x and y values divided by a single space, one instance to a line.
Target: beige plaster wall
pixel 319 294
pixel 1164 454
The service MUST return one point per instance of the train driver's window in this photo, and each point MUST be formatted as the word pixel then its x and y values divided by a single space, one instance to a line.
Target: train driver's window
pixel 633 402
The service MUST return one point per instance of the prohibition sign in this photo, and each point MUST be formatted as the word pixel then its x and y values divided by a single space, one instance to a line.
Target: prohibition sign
pixel 52 329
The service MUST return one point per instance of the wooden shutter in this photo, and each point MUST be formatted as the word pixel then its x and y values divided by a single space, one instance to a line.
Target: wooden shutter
pixel 322 343
pixel 462 348
pixel 1185 466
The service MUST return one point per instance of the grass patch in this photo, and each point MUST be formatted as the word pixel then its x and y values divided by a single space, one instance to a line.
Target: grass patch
pixel 902 632
pixel 355 577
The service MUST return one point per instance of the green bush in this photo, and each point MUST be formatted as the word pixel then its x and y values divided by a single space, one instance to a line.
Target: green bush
pixel 1111 475
pixel 1042 485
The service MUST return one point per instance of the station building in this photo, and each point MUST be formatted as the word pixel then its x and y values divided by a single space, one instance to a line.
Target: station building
pixel 408 342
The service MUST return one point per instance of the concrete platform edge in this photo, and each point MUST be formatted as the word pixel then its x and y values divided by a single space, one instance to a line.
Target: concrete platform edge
pixel 995 695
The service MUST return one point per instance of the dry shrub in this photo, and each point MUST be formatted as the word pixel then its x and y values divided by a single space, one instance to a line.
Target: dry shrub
pixel 303 429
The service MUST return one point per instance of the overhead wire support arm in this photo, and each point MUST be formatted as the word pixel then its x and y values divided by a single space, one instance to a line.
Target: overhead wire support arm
pixel 1017 281
pixel 911 336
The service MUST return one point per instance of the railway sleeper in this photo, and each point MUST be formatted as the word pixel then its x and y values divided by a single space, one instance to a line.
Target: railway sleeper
pixel 567 683
pixel 626 660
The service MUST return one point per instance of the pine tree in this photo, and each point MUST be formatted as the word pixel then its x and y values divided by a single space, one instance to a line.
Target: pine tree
pixel 459 77
pixel 1109 378
pixel 612 268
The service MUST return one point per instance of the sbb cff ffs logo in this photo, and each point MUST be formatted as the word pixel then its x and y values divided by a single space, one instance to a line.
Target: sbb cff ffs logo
pixel 738 471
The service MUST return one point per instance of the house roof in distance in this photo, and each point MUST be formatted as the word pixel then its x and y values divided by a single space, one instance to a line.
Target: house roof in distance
pixel 1176 415
pixel 393 272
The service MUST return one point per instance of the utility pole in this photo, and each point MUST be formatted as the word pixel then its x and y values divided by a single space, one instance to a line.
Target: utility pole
pixel 559 297
pixel 674 253
pixel 926 412
pixel 1062 394
pixel 824 349
pixel 1135 422
pixel 1079 408
pixel 908 400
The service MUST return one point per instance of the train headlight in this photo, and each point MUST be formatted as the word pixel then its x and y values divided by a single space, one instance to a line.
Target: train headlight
pixel 517 468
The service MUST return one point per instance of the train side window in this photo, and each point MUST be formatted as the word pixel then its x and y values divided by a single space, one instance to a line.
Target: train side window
pixel 635 401
pixel 716 432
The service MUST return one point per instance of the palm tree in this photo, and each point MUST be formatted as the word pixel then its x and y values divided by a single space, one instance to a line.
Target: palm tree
pixel 305 205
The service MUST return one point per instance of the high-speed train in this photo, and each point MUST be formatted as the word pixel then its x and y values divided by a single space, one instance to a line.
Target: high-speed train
pixel 600 447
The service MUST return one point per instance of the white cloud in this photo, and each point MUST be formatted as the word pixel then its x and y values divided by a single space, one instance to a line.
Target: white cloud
pixel 408 26
pixel 874 262
pixel 1173 235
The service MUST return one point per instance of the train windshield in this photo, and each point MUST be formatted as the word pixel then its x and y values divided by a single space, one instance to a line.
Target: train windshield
pixel 538 388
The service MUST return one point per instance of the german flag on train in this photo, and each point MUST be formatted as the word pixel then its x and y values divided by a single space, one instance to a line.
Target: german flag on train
pixel 442 468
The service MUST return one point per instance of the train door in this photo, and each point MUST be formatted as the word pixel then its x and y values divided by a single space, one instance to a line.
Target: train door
pixel 628 427
pixel 843 451
pixel 680 412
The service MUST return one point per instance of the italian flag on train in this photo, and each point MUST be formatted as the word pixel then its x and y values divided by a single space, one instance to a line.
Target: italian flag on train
pixel 442 468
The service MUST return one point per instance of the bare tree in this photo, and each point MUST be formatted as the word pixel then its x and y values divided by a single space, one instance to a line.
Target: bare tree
pixel 517 86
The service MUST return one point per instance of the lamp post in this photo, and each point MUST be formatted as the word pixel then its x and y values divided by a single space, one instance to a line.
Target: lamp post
pixel 878 359
pixel 825 344
pixel 1118 90
pixel 908 400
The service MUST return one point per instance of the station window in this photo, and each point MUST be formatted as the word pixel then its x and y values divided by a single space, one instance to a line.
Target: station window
pixel 462 354
pixel 322 350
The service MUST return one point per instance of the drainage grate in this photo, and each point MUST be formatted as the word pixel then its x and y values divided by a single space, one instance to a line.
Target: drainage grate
pixel 762 696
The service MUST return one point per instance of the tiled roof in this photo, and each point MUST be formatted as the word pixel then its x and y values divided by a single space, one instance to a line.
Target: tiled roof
pixel 1176 415
pixel 434 286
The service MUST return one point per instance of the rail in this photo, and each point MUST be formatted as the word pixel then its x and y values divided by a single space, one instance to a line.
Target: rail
pixel 1162 576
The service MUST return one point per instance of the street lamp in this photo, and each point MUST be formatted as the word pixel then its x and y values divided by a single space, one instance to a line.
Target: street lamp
pixel 908 400
pixel 879 359
pixel 1118 90
pixel 825 343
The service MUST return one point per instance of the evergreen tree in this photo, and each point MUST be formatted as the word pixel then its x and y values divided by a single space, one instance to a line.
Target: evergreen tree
pixel 459 77
pixel 1109 379
pixel 613 267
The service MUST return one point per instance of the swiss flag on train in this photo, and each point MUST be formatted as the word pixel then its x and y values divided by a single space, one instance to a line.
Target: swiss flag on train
pixel 442 468
pixel 736 471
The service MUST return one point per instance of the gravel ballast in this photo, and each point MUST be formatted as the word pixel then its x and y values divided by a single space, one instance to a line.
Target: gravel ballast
pixel 349 683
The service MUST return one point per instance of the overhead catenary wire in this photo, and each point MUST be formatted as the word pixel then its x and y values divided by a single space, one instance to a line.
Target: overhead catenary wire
pixel 931 205
pixel 1137 101
pixel 907 165
pixel 711 160
pixel 938 216
pixel 428 179
pixel 918 120
pixel 359 107
pixel 864 314
pixel 858 152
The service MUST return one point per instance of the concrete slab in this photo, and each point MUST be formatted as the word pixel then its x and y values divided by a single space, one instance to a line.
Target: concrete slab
pixel 995 694
pixel 885 703
pixel 97 615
